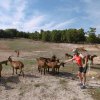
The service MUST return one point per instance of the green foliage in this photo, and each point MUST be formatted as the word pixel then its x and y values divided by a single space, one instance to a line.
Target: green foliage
pixel 92 38
pixel 57 36
pixel 46 36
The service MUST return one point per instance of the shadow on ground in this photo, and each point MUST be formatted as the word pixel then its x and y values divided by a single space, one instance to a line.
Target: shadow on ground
pixel 11 79
pixel 64 75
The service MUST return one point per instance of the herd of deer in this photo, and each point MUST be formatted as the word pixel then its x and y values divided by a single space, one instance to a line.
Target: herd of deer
pixel 44 64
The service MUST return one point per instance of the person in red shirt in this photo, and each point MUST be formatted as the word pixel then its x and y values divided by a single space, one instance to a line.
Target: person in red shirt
pixel 82 68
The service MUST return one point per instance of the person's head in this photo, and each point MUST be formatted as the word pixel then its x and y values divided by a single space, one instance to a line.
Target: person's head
pixel 75 52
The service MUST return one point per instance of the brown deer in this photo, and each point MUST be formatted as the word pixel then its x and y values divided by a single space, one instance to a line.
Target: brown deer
pixel 54 65
pixel 41 65
pixel 16 65
pixel 53 58
pixel 44 62
pixel 52 61
pixel 57 67
pixel 68 55
pixel 1 63
pixel 81 49
pixel 92 57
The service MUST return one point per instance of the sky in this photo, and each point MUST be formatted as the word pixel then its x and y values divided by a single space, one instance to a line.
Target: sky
pixel 34 15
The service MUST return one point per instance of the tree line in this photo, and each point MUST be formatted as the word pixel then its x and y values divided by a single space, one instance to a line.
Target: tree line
pixel 57 36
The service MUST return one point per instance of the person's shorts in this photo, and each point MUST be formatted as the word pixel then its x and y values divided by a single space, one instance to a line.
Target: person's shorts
pixel 80 69
pixel 83 69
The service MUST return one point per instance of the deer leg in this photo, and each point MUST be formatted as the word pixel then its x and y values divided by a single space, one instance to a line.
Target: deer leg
pixel 58 70
pixel 38 68
pixel 53 69
pixel 44 71
pixel 48 69
pixel 92 62
pixel 13 71
pixel 41 70
pixel 16 71
pixel 0 73
pixel 21 71
pixel 0 70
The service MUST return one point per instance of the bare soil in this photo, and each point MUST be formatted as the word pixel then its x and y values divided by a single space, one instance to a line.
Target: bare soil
pixel 34 86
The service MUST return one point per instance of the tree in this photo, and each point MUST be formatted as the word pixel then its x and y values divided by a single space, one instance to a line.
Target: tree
pixel 46 36
pixel 12 32
pixel 91 35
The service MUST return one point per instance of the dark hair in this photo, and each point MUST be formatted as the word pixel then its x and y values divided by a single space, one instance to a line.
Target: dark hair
pixel 76 53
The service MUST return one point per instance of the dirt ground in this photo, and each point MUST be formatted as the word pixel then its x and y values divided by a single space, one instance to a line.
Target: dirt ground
pixel 35 86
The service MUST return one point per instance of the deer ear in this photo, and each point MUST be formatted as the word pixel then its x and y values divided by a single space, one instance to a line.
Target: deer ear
pixel 9 56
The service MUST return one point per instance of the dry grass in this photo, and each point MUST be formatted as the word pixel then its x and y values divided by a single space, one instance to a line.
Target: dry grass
pixel 49 87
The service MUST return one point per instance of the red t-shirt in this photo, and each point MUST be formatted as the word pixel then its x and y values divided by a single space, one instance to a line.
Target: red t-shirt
pixel 78 60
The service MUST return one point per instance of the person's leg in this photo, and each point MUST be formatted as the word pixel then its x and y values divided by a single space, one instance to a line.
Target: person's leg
pixel 84 78
pixel 80 74
pixel 80 77
pixel 84 75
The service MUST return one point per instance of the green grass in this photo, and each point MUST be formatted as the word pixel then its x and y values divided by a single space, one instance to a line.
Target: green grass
pixel 62 81
pixel 40 84
pixel 25 45
pixel 28 61
pixel 95 93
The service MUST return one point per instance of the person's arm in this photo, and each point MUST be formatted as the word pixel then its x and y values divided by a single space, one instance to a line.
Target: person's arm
pixel 68 60
pixel 86 60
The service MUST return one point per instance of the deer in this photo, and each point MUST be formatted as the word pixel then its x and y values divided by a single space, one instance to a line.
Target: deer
pixel 57 67
pixel 52 61
pixel 17 52
pixel 41 65
pixel 16 65
pixel 1 63
pixel 82 49
pixel 92 58
pixel 68 55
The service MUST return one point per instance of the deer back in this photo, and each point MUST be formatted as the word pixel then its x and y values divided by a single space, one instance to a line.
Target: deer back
pixel 17 64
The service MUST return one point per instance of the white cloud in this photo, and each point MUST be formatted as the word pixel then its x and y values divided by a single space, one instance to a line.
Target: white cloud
pixel 16 19
pixel 5 4
pixel 92 12
pixel 13 17
pixel 33 23
pixel 54 25
pixel 64 24
pixel 19 13
pixel 48 26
